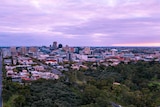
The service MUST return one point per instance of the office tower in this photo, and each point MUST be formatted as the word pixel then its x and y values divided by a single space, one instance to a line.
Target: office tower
pixel 6 52
pixel 87 50
pixel 23 50
pixel 76 50
pixel 66 48
pixel 54 45
pixel 71 49
pixel 33 49
pixel 13 51
pixel 69 56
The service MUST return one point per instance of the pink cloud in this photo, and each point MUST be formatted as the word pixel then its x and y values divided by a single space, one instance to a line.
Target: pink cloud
pixel 119 21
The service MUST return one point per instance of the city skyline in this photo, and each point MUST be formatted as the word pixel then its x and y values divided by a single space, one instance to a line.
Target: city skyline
pixel 80 22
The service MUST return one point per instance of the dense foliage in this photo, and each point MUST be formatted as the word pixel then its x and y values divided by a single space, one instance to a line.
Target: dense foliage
pixel 129 85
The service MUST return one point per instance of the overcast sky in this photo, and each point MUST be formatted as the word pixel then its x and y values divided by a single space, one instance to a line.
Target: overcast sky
pixel 80 22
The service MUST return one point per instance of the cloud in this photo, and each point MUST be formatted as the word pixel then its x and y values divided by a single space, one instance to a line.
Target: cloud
pixel 140 44
pixel 91 22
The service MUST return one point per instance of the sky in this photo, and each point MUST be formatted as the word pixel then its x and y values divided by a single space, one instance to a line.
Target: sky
pixel 80 22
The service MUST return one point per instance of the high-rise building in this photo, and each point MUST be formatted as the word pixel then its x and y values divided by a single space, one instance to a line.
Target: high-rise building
pixel 76 50
pixel 6 52
pixel 33 49
pixel 23 50
pixel 71 49
pixel 66 48
pixel 54 45
pixel 69 56
pixel 13 51
pixel 87 50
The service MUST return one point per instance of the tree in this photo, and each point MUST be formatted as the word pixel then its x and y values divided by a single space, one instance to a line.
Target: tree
pixel 19 101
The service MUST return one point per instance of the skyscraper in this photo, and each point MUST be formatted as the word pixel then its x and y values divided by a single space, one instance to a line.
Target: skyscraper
pixel 54 45
pixel 13 51
pixel 23 50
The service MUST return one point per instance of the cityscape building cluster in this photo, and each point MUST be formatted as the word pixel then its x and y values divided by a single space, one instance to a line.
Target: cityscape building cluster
pixel 32 63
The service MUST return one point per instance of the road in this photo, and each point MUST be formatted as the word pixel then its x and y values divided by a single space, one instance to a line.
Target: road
pixel 53 70
pixel 0 79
